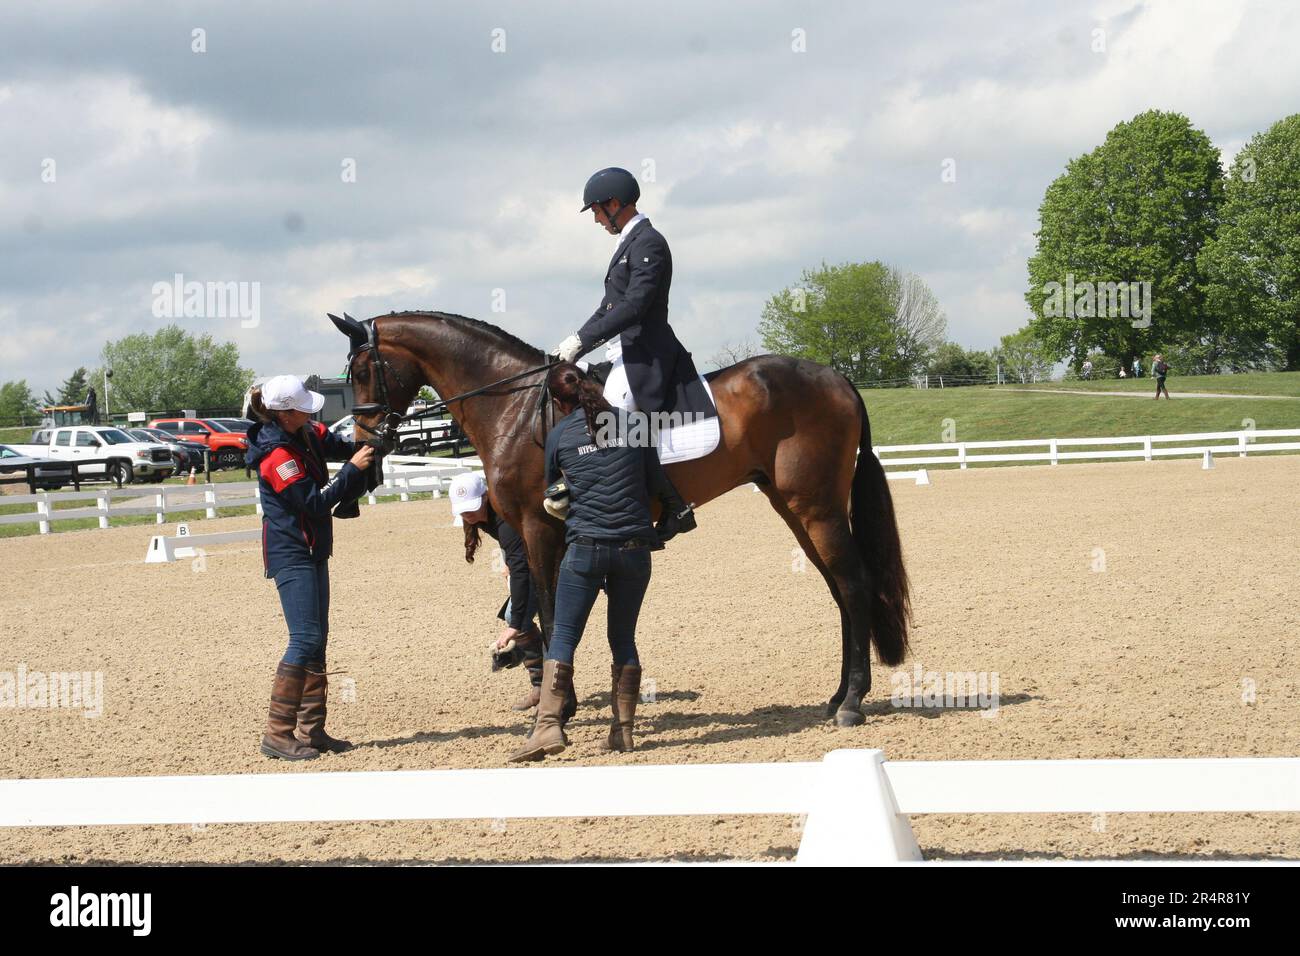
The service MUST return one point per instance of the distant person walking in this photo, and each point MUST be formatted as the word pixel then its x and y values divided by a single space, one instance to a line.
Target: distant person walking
pixel 1087 370
pixel 1159 369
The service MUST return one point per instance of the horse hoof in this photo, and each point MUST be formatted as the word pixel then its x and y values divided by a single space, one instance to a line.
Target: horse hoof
pixel 849 718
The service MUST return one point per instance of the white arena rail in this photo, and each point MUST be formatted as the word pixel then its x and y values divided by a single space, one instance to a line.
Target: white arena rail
pixel 1145 447
pixel 404 475
pixel 856 803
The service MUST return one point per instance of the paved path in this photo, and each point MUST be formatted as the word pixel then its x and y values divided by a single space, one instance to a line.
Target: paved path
pixel 1149 395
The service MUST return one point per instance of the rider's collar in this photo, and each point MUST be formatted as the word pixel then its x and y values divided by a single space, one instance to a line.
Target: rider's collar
pixel 628 226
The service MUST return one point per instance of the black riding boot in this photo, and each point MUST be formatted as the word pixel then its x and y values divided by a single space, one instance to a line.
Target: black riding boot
pixel 677 517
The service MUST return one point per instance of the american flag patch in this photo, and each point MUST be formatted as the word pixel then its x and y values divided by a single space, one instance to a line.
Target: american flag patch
pixel 288 470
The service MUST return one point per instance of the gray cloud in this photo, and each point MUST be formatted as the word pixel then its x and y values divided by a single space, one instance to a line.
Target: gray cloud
pixel 226 165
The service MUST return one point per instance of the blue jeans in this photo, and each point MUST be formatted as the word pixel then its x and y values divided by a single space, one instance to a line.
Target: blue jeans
pixel 586 568
pixel 305 597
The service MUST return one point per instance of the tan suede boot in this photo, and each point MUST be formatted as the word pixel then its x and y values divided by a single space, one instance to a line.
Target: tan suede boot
pixel 312 710
pixel 534 694
pixel 286 697
pixel 547 736
pixel 624 695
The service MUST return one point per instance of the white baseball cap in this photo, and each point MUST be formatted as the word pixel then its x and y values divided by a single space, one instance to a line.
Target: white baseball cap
pixel 287 393
pixel 467 492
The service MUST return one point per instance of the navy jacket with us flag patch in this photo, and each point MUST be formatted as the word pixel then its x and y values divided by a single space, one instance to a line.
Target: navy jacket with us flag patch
pixel 297 492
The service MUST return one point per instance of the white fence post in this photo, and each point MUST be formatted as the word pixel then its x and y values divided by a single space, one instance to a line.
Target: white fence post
pixel 102 504
pixel 1146 447
pixel 961 454
pixel 1053 451
pixel 1241 445
pixel 854 818
pixel 161 501
pixel 210 499
pixel 43 509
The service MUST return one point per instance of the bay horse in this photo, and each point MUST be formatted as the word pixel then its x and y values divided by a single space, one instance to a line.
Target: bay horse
pixel 796 429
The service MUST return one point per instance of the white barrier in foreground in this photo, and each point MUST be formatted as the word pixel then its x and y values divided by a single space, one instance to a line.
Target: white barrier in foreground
pixel 164 549
pixel 857 804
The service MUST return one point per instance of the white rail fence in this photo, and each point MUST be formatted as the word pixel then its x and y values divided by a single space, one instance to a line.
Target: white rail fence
pixel 857 804
pixel 404 475
pixel 1056 450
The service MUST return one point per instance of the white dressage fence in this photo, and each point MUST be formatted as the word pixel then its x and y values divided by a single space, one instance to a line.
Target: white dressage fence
pixel 856 803
pixel 404 475
pixel 1056 450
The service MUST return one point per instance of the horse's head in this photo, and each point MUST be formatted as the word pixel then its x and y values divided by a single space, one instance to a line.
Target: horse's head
pixel 385 379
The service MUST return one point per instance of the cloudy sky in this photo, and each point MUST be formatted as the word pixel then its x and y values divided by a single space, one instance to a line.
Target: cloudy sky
pixel 771 136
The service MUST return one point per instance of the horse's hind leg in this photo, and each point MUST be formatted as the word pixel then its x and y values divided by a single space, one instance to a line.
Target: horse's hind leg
pixel 801 535
pixel 832 540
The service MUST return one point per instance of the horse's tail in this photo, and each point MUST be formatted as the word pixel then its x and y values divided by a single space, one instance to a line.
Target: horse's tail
pixel 876 534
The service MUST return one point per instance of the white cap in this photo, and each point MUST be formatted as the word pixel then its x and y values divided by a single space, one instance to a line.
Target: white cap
pixel 467 492
pixel 286 392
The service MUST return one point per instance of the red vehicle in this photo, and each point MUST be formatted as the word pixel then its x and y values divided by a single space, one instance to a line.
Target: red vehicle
pixel 224 446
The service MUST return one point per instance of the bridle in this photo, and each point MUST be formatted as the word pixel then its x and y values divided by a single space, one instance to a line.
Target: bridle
pixel 385 433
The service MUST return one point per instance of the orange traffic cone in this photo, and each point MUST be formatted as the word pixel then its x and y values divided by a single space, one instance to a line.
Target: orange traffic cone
pixel 190 480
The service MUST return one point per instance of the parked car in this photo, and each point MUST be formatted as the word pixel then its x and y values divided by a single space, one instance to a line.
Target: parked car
pixel 51 473
pixel 114 453
pixel 226 448
pixel 186 454
pixel 239 426
pixel 418 437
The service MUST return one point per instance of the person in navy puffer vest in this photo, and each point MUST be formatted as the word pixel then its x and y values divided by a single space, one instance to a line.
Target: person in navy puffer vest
pixel 289 451
pixel 610 483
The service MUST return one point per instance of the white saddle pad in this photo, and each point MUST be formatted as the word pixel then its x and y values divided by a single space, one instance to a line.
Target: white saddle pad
pixel 692 440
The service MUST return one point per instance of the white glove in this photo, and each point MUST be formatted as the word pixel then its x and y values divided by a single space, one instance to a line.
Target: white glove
pixel 569 349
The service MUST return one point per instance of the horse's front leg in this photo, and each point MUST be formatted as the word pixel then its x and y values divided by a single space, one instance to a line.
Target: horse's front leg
pixel 544 540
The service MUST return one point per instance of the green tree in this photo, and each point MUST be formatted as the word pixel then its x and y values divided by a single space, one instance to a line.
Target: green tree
pixel 863 319
pixel 1137 209
pixel 17 404
pixel 1252 265
pixel 956 366
pixel 174 369
pixel 1024 357
pixel 71 392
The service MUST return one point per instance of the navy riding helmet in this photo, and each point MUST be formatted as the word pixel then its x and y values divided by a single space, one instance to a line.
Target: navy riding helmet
pixel 611 183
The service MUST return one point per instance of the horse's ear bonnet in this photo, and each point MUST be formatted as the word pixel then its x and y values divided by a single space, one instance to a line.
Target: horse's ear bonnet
pixel 354 330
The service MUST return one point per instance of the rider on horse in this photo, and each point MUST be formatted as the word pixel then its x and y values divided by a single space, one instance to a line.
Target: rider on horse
pixel 648 369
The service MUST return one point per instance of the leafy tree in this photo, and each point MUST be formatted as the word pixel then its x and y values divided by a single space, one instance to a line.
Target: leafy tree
pixel 174 369
pixel 1138 208
pixel 71 392
pixel 958 367
pixel 863 319
pixel 1252 265
pixel 17 404
pixel 1024 357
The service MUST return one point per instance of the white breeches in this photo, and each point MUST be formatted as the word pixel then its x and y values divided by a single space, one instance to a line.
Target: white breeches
pixel 618 390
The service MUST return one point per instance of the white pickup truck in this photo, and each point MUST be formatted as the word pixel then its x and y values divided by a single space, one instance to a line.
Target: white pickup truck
pixel 115 453
pixel 418 437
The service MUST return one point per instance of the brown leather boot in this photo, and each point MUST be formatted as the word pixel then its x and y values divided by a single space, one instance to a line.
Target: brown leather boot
pixel 530 699
pixel 547 736
pixel 624 694
pixel 286 698
pixel 311 713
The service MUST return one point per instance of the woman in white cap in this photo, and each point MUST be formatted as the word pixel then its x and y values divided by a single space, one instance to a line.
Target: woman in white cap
pixel 289 451
pixel 469 500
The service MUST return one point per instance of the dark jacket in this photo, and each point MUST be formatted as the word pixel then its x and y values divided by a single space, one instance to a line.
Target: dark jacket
pixel 297 492
pixel 523 597
pixel 609 488
pixel 635 308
